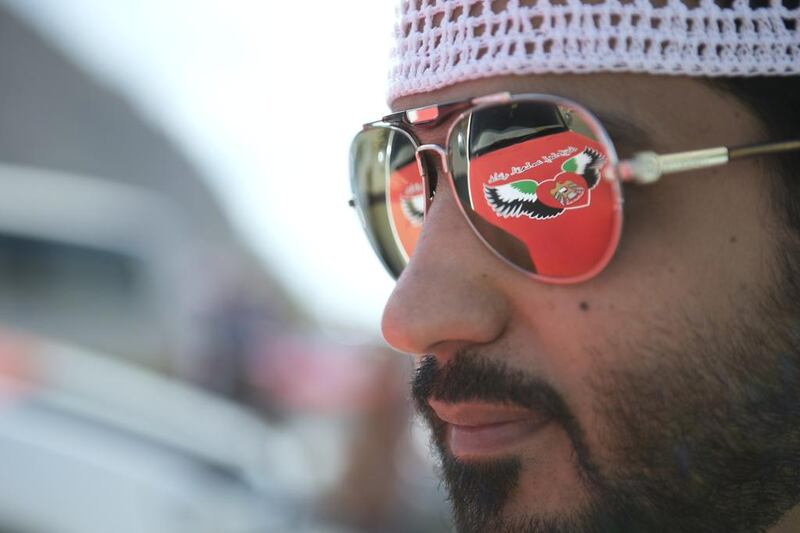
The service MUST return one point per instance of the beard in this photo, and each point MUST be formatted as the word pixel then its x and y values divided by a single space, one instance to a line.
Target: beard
pixel 701 431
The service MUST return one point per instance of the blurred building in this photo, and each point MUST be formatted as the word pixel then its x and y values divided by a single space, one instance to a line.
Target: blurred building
pixel 109 237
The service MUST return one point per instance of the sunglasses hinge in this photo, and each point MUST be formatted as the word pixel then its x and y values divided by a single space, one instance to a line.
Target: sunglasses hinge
pixel 423 114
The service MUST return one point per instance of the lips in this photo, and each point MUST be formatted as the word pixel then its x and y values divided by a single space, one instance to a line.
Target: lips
pixel 475 429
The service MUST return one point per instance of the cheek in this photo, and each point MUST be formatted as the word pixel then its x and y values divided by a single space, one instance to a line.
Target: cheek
pixel 695 241
pixel 693 251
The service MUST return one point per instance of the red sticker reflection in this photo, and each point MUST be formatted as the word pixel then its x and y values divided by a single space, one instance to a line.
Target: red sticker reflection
pixel 406 205
pixel 548 193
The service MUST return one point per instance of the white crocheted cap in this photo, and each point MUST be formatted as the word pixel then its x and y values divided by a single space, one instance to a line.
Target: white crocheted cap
pixel 442 42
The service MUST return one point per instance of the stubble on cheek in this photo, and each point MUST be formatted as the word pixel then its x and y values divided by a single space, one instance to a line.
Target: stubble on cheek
pixel 700 427
pixel 552 481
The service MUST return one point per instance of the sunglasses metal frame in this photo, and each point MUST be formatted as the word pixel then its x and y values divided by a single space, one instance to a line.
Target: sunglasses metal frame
pixel 643 168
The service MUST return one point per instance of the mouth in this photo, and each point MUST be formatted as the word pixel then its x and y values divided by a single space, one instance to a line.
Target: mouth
pixel 478 430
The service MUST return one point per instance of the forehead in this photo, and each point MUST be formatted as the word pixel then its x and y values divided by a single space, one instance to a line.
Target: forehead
pixel 606 88
pixel 676 112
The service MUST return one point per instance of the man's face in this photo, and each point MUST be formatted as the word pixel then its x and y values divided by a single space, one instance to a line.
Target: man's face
pixel 660 395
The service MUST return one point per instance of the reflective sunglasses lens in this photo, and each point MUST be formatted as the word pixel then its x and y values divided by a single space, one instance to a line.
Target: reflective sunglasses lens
pixel 388 189
pixel 528 177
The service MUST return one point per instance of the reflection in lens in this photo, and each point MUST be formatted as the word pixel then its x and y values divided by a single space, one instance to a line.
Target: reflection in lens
pixel 388 190
pixel 528 176
pixel 406 197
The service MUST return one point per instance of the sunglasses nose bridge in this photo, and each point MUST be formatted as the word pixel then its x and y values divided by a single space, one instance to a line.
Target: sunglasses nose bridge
pixel 432 148
pixel 427 185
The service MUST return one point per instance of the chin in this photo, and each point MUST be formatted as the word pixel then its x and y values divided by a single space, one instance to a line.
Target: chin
pixel 540 489
pixel 550 492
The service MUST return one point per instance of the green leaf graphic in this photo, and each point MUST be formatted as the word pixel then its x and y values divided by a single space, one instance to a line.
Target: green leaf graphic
pixel 525 186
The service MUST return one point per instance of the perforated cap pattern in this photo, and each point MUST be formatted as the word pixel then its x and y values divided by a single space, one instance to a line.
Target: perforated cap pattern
pixel 441 42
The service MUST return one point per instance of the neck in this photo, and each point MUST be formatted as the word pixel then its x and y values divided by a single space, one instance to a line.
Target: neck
pixel 790 523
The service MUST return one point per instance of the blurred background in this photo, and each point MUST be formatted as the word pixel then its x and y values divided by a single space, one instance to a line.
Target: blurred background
pixel 189 310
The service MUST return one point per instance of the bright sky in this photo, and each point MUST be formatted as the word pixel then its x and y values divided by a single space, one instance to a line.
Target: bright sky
pixel 265 97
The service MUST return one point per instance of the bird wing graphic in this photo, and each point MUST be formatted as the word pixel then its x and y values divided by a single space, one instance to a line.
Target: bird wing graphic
pixel 413 209
pixel 586 164
pixel 518 199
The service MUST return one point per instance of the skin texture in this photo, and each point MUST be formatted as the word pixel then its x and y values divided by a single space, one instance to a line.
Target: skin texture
pixel 664 350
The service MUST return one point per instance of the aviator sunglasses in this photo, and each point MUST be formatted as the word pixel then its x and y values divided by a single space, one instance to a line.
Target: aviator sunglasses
pixel 536 177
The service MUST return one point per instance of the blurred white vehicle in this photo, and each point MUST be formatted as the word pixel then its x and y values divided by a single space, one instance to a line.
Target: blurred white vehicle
pixel 92 445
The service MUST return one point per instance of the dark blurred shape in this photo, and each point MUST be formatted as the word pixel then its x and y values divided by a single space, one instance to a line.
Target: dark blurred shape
pixel 385 483
pixel 384 488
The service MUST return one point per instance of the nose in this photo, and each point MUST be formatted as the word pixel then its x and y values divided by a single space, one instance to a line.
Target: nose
pixel 450 295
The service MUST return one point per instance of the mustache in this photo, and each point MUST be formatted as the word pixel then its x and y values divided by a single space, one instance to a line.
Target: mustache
pixel 471 377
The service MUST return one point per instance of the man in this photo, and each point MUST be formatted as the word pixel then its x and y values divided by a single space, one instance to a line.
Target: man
pixel 638 380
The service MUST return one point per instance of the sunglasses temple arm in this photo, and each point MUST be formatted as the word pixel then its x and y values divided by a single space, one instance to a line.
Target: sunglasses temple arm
pixel 648 167
pixel 763 149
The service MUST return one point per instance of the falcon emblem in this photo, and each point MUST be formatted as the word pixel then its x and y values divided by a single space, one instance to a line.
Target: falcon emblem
pixel 542 200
